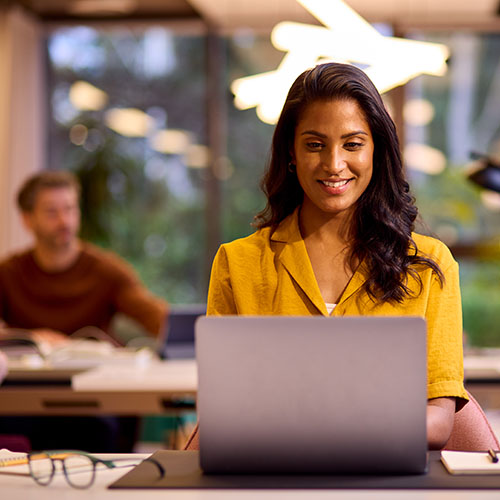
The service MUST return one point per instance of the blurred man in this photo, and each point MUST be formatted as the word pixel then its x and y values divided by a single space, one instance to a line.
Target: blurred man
pixel 63 284
pixel 60 286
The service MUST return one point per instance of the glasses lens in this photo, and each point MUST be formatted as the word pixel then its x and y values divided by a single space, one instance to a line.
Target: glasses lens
pixel 79 470
pixel 41 468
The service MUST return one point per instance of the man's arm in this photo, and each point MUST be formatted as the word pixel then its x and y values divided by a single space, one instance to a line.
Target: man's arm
pixel 134 300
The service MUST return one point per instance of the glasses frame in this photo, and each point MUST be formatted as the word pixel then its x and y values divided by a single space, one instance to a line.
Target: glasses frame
pixel 62 455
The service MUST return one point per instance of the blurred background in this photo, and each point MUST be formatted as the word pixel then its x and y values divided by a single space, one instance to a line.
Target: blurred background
pixel 135 98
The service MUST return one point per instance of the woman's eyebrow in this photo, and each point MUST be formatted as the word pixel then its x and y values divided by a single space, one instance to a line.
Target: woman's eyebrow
pixel 314 132
pixel 324 136
pixel 350 134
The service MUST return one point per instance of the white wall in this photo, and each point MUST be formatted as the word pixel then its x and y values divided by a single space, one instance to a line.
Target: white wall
pixel 22 122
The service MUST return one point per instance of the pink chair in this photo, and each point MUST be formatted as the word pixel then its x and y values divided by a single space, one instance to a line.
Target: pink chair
pixel 471 430
pixel 15 442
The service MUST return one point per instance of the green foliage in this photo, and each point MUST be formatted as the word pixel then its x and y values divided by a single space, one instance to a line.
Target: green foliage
pixel 481 302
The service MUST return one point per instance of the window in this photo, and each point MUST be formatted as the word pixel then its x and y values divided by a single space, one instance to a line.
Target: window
pixel 447 118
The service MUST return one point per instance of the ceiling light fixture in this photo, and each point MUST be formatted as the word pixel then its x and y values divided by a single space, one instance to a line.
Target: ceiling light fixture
pixel 86 97
pixel 345 37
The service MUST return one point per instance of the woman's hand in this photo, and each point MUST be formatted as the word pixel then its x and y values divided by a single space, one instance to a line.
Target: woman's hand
pixel 440 417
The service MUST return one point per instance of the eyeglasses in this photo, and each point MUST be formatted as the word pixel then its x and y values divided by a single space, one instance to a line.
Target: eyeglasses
pixel 79 467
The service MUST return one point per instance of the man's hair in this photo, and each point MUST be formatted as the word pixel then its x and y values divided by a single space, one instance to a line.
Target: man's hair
pixel 48 179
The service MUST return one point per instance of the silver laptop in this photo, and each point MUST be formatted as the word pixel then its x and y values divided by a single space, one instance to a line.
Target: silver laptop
pixel 337 395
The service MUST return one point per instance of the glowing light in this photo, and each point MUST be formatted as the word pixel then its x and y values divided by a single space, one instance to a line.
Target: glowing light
pixel 130 122
pixel 418 112
pixel 175 142
pixel 491 200
pixel 86 97
pixel 345 37
pixel 78 134
pixel 424 158
pixel 197 156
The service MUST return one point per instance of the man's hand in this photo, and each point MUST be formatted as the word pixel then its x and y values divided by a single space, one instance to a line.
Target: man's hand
pixel 51 337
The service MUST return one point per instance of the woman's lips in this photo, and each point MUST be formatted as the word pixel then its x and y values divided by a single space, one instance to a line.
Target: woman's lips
pixel 335 187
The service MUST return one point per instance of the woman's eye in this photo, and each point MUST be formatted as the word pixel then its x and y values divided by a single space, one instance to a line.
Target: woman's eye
pixel 314 145
pixel 353 145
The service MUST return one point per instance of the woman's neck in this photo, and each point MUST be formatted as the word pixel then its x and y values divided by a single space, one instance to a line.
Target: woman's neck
pixel 318 225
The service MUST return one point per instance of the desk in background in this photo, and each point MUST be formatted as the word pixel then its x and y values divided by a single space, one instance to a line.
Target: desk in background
pixel 482 379
pixel 159 388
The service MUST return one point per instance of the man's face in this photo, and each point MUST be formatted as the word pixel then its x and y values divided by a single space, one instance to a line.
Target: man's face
pixel 55 218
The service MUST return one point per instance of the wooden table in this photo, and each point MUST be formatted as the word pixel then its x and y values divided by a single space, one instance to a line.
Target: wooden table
pixel 160 388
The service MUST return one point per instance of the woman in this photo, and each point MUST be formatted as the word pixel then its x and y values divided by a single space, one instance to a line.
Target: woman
pixel 336 237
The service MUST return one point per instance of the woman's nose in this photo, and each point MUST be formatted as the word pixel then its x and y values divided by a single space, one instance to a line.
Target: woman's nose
pixel 334 162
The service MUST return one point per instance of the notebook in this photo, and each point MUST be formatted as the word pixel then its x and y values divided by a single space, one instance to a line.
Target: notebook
pixel 334 395
pixel 469 462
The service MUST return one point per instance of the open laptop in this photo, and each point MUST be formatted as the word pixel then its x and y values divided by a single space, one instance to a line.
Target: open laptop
pixel 321 395
pixel 179 340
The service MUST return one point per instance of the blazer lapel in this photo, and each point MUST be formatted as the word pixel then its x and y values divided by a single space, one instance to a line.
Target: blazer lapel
pixel 295 259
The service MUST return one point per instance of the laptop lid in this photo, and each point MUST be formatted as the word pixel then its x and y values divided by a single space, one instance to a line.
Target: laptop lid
pixel 179 339
pixel 282 394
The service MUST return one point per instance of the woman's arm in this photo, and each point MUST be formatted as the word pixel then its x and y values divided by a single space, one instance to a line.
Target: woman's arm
pixel 440 417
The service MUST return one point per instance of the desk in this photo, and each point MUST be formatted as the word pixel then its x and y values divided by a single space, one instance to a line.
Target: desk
pixel 160 388
pixel 482 379
pixel 163 387
pixel 15 488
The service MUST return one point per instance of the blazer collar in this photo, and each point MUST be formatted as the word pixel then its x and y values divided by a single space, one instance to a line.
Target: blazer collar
pixel 295 259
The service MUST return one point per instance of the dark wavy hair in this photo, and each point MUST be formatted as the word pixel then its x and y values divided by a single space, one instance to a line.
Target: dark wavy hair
pixel 385 214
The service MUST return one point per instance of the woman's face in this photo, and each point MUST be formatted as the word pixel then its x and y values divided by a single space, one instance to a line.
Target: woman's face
pixel 333 152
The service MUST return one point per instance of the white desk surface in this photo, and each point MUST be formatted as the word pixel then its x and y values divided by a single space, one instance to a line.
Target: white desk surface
pixel 181 375
pixel 24 488
pixel 173 375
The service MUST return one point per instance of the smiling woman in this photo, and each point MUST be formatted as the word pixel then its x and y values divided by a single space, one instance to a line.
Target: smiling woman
pixel 337 235
pixel 333 152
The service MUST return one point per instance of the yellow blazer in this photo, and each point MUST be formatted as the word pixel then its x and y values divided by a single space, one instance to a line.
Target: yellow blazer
pixel 269 273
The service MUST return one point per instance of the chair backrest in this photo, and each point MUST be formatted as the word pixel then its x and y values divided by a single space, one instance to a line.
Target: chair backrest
pixel 471 430
pixel 15 442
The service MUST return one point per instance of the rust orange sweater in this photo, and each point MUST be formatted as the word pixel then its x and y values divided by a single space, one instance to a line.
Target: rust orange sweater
pixel 89 293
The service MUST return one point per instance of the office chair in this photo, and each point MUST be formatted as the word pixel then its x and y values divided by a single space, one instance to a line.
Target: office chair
pixel 471 430
pixel 15 442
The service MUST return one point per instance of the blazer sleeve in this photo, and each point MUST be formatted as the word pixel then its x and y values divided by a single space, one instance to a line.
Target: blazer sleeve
pixel 220 293
pixel 445 337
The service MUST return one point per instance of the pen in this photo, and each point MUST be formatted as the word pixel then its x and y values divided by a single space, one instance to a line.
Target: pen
pixel 493 455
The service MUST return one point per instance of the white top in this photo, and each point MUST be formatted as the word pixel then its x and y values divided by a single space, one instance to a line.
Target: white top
pixel 330 307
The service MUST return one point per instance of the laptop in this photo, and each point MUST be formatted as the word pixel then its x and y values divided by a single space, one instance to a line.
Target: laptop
pixel 312 395
pixel 179 340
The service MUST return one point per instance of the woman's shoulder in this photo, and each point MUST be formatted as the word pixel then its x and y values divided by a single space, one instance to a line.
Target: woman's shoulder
pixel 429 246
pixel 256 242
